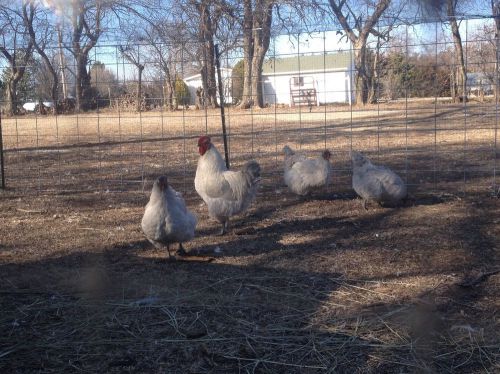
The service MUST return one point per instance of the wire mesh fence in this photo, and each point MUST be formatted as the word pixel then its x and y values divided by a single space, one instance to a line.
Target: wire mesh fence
pixel 412 122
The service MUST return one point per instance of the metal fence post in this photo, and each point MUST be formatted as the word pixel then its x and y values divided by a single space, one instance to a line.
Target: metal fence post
pixel 221 99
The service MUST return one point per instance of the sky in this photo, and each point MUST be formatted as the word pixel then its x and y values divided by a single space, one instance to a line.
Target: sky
pixel 332 41
pixel 329 41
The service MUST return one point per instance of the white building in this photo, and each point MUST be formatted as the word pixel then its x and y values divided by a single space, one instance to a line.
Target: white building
pixel 309 79
pixel 478 83
pixel 194 82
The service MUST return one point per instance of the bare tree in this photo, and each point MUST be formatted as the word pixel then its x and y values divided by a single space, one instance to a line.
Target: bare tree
pixel 16 47
pixel 482 60
pixel 86 21
pixel 459 73
pixel 257 21
pixel 166 48
pixel 206 39
pixel 132 53
pixel 162 29
pixel 374 58
pixel 31 14
pixel 203 21
pixel 104 82
pixel 358 33
pixel 166 60
pixel 258 26
pixel 85 28
pixel 447 11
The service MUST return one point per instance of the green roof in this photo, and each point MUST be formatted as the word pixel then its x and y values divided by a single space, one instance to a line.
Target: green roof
pixel 307 63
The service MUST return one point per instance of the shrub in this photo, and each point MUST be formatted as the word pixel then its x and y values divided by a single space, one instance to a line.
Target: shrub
pixel 237 81
pixel 182 92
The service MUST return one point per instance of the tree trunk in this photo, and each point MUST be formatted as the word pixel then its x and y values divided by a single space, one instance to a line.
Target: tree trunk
pixel 453 84
pixel 248 51
pixel 461 74
pixel 246 95
pixel 361 80
pixel 12 89
pixel 373 95
pixel 211 95
pixel 79 24
pixel 16 74
pixel 55 94
pixel 82 78
pixel 256 94
pixel 140 69
pixel 206 35
pixel 12 96
pixel 62 63
pixel 168 90
pixel 78 91
pixel 495 10
pixel 208 77
pixel 256 45
pixel 497 65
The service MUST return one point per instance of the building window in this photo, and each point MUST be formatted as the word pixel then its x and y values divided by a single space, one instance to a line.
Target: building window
pixel 298 81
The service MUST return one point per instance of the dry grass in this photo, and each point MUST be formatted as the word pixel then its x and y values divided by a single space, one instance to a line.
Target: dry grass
pixel 298 285
pixel 431 144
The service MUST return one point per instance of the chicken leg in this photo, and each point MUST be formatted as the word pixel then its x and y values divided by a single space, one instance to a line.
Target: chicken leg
pixel 225 225
pixel 181 251
pixel 160 246
pixel 170 257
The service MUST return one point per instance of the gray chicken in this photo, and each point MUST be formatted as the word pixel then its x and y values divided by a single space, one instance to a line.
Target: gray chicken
pixel 374 182
pixel 166 219
pixel 302 174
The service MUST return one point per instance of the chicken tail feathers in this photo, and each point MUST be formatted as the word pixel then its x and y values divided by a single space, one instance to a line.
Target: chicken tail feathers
pixel 252 169
pixel 288 151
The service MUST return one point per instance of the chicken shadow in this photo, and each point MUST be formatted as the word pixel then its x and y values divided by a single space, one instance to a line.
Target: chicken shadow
pixel 131 312
pixel 301 236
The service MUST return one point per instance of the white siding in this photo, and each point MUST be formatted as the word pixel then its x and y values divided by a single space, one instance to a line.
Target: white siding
pixel 332 87
pixel 193 85
pixel 194 82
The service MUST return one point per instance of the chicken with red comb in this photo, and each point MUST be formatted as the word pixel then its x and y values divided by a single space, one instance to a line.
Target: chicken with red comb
pixel 225 192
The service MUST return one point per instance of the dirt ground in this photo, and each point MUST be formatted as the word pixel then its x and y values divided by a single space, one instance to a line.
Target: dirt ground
pixel 298 285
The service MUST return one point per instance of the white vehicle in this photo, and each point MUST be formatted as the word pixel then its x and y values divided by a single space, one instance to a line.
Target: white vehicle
pixel 31 105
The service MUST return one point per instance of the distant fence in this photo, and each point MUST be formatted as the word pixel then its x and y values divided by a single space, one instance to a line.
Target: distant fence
pixel 412 125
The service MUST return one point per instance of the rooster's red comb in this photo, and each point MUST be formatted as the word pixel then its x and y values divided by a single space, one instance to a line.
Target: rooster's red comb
pixel 203 139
